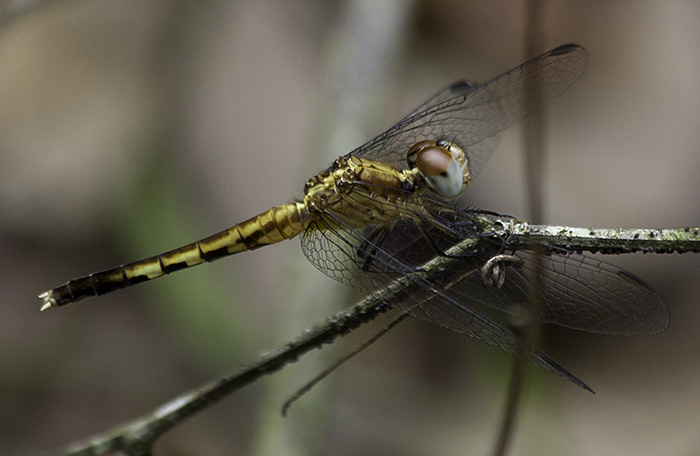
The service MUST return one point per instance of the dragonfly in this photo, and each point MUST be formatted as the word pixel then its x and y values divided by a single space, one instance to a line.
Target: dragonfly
pixel 380 212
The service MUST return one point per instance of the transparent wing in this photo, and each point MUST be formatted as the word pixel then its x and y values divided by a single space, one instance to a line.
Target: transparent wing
pixel 469 115
pixel 580 292
pixel 339 253
pixel 456 89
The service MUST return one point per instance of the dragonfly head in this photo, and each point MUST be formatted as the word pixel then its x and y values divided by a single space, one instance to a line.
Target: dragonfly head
pixel 442 164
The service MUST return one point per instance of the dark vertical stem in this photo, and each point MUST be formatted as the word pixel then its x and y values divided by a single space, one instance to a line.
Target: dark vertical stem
pixel 533 128
pixel 534 150
pixel 514 393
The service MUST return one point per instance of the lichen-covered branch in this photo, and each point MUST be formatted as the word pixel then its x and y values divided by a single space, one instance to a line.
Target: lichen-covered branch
pixel 605 240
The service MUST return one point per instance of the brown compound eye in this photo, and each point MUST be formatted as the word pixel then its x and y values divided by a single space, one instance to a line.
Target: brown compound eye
pixel 440 170
pixel 420 145
pixel 412 153
pixel 434 161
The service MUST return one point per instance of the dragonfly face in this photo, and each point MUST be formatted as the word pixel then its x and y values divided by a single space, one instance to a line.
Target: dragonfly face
pixel 443 165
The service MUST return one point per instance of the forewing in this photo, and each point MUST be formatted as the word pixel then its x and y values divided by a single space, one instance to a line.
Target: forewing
pixel 471 116
pixel 456 89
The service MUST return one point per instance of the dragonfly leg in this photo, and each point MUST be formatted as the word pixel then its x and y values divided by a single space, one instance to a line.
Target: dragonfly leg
pixel 370 247
pixel 493 272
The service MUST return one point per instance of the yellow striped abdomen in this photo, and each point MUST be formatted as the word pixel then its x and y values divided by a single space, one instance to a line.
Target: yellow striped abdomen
pixel 269 227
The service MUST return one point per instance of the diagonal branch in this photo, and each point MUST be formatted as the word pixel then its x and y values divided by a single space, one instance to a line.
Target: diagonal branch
pixel 138 436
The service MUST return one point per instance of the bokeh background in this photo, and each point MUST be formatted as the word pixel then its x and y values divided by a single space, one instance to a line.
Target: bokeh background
pixel 129 128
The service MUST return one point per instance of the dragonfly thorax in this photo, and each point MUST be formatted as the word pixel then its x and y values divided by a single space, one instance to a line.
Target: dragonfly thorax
pixel 360 191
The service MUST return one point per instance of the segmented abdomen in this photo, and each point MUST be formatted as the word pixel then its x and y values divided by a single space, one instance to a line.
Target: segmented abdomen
pixel 269 227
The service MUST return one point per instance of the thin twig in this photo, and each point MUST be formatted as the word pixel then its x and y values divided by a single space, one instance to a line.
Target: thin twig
pixel 327 371
pixel 137 436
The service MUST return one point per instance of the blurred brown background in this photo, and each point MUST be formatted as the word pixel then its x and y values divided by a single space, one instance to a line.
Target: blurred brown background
pixel 129 128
